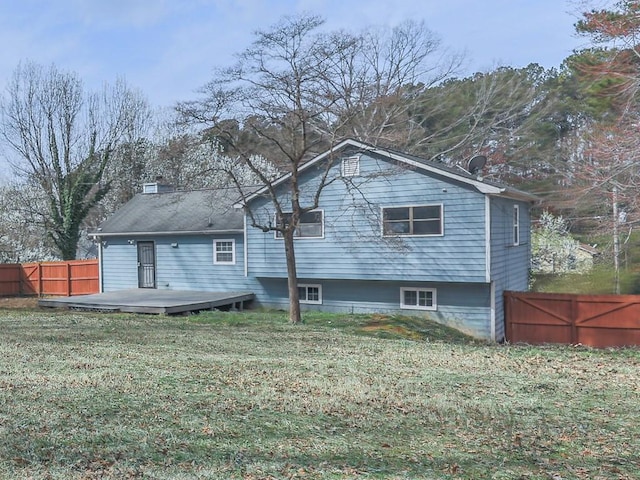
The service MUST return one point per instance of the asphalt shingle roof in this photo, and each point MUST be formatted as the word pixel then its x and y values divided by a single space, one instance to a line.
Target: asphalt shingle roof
pixel 198 211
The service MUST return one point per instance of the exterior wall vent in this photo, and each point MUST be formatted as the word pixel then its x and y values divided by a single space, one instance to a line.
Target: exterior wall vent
pixel 157 187
pixel 351 166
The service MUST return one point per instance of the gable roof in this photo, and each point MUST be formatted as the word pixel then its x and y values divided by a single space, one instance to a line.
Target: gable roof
pixel 192 212
pixel 452 174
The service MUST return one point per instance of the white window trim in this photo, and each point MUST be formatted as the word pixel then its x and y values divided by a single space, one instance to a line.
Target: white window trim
pixel 516 225
pixel 215 251
pixel 441 234
pixel 356 170
pixel 313 285
pixel 278 236
pixel 433 291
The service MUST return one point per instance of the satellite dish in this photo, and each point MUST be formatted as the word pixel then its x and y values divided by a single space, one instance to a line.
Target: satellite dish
pixel 476 164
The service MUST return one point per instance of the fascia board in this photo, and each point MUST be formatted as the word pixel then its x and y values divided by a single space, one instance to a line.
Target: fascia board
pixel 165 234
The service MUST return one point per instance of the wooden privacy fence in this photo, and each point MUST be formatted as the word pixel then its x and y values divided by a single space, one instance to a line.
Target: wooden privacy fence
pixel 594 320
pixel 75 277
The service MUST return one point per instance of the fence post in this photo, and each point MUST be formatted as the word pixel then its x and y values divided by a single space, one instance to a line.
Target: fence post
pixel 40 284
pixel 21 279
pixel 68 265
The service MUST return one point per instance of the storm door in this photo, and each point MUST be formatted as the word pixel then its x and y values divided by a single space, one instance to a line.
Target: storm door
pixel 146 265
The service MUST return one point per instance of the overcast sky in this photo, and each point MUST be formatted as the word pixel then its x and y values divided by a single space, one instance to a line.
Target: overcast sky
pixel 168 48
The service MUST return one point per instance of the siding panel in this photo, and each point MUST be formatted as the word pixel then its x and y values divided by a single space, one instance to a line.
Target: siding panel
pixel 353 246
pixel 189 266
pixel 462 306
pixel 509 263
pixel 119 265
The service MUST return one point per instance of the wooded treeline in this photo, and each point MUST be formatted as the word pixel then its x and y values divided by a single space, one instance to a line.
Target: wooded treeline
pixel 568 134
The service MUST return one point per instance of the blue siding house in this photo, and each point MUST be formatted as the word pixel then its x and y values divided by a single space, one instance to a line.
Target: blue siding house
pixel 393 233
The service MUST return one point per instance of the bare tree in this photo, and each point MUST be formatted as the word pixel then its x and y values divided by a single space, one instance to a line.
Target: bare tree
pixel 376 78
pixel 22 235
pixel 64 139
pixel 273 92
pixel 607 182
pixel 397 88
pixel 292 94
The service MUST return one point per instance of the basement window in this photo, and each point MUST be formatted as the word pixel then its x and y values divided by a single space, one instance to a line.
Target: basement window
pixel 310 294
pixel 418 298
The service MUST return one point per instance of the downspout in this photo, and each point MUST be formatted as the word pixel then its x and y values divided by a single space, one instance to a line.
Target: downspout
pixel 493 311
pixel 487 239
pixel 245 243
pixel 100 286
pixel 487 236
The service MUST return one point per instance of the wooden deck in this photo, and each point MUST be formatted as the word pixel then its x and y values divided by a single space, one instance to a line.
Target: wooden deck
pixel 147 300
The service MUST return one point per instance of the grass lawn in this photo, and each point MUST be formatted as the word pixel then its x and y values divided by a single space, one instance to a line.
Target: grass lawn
pixel 248 396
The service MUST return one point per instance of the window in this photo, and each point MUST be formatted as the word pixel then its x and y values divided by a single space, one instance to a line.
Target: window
pixel 418 298
pixel 310 294
pixel 224 252
pixel 351 166
pixel 309 226
pixel 417 220
pixel 516 225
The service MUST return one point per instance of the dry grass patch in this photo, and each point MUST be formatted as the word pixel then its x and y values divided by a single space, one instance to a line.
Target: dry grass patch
pixel 252 397
pixel 19 302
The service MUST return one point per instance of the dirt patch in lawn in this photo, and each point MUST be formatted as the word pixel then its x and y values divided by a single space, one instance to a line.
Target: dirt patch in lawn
pixel 398 330
pixel 18 302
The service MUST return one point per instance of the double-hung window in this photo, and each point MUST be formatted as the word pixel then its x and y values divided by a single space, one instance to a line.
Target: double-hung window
pixel 224 252
pixel 412 220
pixel 310 225
pixel 310 294
pixel 418 298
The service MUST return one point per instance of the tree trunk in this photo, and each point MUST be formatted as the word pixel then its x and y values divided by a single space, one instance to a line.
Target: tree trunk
pixel 292 277
pixel 69 252
pixel 66 238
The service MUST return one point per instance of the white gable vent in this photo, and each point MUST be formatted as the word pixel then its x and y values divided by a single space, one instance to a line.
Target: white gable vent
pixel 157 187
pixel 351 166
